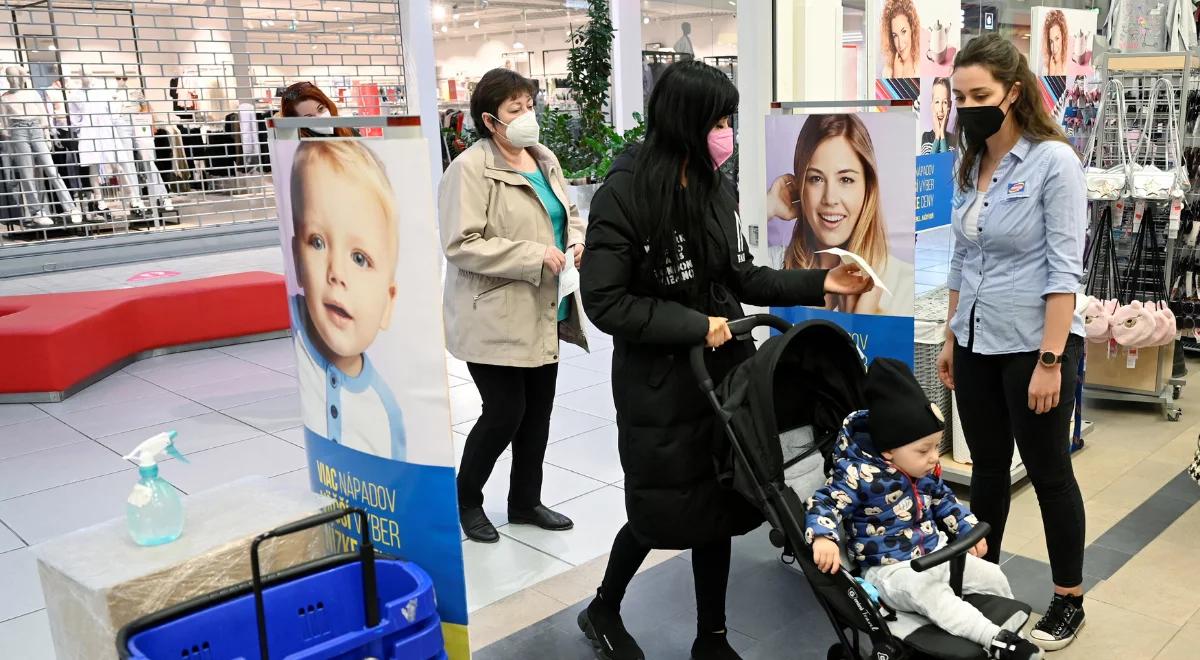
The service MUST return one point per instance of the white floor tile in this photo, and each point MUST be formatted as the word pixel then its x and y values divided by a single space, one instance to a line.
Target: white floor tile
pixel 567 351
pixel 22 588
pixel 49 513
pixel 457 367
pixel 572 378
pixel 465 404
pixel 274 354
pixel 8 540
pixel 455 381
pixel 592 454
pixel 117 388
pixel 294 436
pixel 116 418
pixel 599 360
pixel 194 434
pixel 297 479
pixel 55 467
pixel 501 569
pixel 174 360
pixel 267 456
pixel 222 367
pixel 27 637
pixel 247 388
pixel 270 415
pixel 564 423
pixel 558 486
pixel 598 516
pixel 36 435
pixel 596 401
pixel 12 413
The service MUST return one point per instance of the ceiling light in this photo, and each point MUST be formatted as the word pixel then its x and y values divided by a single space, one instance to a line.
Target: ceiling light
pixel 518 45
pixel 445 29
pixel 439 12
pixel 456 15
pixel 476 24
pixel 645 20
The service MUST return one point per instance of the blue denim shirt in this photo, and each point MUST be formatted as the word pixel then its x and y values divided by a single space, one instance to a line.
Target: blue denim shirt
pixel 1032 228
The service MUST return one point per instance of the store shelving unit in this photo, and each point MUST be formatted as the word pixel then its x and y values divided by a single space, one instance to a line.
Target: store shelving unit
pixel 1138 72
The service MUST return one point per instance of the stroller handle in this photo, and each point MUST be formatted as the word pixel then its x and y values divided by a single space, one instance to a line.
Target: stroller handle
pixel 740 329
pixel 955 548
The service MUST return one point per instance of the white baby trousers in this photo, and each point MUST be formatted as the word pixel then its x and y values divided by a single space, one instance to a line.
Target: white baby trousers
pixel 929 594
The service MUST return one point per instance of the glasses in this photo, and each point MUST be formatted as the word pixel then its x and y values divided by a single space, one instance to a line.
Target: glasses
pixel 292 94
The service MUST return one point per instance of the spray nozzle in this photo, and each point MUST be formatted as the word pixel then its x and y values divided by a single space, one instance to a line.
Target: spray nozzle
pixel 147 453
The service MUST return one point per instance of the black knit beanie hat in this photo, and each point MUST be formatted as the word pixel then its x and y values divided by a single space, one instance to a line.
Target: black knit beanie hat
pixel 900 412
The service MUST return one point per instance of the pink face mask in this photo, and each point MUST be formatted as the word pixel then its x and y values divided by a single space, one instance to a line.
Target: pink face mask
pixel 720 145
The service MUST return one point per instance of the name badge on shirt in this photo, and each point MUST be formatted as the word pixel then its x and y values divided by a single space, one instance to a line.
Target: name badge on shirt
pixel 1016 188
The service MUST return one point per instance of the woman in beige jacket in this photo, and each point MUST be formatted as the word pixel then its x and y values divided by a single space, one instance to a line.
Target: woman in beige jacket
pixel 507 229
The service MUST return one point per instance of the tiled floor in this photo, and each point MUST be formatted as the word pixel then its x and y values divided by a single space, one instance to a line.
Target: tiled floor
pixel 236 412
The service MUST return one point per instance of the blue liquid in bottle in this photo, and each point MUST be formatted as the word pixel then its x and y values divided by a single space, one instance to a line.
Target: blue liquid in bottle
pixel 154 510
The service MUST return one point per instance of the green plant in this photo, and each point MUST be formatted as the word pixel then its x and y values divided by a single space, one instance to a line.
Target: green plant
pixel 586 157
pixel 589 68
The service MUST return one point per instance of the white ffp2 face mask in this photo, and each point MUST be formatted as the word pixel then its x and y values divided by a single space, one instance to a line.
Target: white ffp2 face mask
pixel 522 132
pixel 323 130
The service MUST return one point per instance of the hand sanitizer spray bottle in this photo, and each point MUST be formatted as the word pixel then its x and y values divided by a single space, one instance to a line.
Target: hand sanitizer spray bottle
pixel 154 509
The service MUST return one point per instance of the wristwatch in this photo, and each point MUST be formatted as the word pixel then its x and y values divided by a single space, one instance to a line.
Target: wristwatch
pixel 1049 359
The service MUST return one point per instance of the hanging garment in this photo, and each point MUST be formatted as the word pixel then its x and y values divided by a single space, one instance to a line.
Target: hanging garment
pixel 96 137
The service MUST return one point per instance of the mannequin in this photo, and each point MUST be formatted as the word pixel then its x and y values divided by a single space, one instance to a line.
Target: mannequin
pixel 684 45
pixel 26 125
pixel 135 142
pixel 98 144
pixel 125 104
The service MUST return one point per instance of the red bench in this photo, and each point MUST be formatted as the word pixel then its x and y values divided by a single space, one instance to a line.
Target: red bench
pixel 54 344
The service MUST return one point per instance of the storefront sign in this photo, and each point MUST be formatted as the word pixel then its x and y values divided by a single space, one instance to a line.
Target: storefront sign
pixel 830 188
pixel 361 262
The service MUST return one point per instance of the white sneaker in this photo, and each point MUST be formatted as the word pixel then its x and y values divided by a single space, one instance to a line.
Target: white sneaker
pixel 43 221
pixel 76 217
pixel 168 205
pixel 101 205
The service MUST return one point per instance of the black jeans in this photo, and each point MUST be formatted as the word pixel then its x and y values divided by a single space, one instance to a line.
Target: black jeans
pixel 517 402
pixel 993 404
pixel 710 571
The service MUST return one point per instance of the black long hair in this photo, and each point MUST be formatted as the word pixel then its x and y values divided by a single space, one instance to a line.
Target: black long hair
pixel 689 99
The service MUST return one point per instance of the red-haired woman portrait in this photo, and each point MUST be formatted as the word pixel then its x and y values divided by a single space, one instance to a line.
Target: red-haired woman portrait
pixel 305 99
pixel 900 39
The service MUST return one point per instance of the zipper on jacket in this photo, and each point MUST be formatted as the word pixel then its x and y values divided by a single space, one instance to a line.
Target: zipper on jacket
pixel 475 300
pixel 920 510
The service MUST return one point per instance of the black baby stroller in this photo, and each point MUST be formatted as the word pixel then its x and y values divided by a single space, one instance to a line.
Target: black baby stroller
pixel 783 409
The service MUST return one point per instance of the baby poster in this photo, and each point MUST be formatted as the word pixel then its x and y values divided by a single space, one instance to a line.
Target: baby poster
pixel 361 261
pixel 917 41
pixel 835 182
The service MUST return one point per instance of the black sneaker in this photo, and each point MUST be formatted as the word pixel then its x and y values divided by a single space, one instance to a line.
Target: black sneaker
pixel 713 646
pixel 602 625
pixel 1059 625
pixel 1008 645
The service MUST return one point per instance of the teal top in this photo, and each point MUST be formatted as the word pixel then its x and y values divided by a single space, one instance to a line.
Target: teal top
pixel 558 218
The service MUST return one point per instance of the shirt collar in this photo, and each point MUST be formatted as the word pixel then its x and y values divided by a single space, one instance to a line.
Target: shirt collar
pixel 1021 148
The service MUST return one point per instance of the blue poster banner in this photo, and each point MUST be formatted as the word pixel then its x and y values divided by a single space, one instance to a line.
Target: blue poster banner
pixel 935 190
pixel 875 336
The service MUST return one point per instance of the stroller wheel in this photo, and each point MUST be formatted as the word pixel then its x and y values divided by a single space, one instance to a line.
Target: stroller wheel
pixel 838 652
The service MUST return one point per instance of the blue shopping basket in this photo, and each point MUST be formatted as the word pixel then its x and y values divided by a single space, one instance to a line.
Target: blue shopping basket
pixel 328 609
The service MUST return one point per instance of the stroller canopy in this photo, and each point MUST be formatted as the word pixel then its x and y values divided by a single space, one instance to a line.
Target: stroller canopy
pixel 810 376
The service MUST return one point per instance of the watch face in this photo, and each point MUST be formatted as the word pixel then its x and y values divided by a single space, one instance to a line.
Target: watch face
pixel 1049 359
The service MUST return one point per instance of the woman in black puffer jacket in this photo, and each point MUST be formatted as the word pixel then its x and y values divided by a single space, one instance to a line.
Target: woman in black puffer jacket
pixel 665 266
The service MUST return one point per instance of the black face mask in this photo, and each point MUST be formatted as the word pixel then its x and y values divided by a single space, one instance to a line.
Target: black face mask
pixel 982 122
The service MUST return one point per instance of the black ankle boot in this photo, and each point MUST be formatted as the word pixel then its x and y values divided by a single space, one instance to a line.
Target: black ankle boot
pixel 602 625
pixel 713 646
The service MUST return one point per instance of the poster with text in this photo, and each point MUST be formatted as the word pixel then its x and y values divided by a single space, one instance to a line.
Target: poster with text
pixel 361 262
pixel 936 146
pixel 917 39
pixel 834 184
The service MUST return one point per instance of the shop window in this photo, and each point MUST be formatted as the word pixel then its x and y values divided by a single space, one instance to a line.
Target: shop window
pixel 130 117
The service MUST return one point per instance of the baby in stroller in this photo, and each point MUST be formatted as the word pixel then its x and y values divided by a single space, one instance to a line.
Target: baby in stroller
pixel 886 484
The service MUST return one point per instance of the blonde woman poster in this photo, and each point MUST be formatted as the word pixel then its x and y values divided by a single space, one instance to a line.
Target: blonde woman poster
pixel 1060 41
pixel 917 39
pixel 828 190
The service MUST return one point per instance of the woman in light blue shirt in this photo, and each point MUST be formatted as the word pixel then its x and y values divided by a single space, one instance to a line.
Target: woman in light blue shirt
pixel 1014 339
